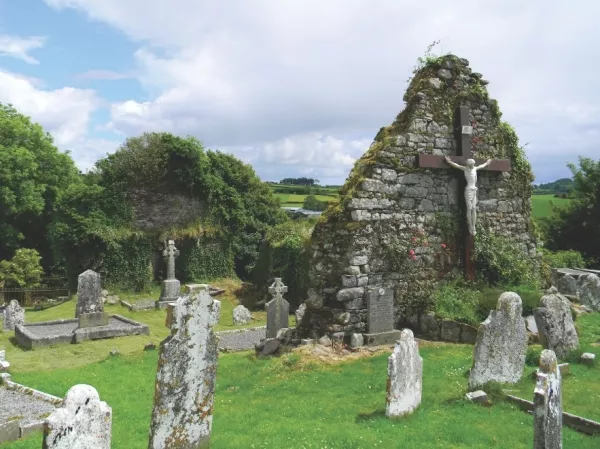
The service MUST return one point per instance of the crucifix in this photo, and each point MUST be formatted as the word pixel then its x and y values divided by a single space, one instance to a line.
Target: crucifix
pixel 465 162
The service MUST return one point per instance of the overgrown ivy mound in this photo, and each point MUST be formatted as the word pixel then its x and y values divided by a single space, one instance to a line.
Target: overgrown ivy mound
pixel 400 226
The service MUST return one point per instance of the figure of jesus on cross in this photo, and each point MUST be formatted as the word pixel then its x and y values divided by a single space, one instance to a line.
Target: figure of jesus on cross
pixel 470 171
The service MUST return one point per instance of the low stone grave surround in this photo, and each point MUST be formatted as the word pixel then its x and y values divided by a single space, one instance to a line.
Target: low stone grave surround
pixel 33 335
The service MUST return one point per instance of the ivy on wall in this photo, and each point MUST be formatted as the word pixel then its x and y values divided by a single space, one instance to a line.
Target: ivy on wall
pixel 202 259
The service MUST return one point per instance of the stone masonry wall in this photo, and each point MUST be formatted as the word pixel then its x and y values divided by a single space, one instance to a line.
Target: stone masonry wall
pixel 387 196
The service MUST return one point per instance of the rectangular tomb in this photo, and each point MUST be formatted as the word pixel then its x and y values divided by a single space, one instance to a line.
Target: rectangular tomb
pixel 35 335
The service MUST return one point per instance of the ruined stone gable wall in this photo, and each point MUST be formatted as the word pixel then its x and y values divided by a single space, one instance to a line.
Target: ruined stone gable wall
pixel 387 197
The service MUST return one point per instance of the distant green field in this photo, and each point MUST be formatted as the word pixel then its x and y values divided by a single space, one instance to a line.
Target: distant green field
pixel 541 205
pixel 296 200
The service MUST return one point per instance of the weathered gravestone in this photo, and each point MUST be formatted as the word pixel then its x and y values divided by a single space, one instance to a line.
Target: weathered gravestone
pixel 170 286
pixel 380 317
pixel 83 422
pixel 547 404
pixel 589 292
pixel 93 319
pixel 501 344
pixel 241 315
pixel 89 293
pixel 278 309
pixel 14 315
pixel 567 285
pixel 186 376
pixel 402 193
pixel 555 323
pixel 405 376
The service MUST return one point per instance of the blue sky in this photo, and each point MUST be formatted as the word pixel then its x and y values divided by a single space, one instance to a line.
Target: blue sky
pixel 294 88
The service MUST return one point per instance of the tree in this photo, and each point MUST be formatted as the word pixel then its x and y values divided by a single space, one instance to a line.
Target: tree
pixel 23 270
pixel 33 173
pixel 576 225
pixel 312 203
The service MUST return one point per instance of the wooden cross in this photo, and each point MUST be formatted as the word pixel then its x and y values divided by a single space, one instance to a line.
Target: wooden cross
pixel 462 132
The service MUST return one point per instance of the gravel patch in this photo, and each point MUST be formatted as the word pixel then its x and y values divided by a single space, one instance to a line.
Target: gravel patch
pixel 240 340
pixel 22 407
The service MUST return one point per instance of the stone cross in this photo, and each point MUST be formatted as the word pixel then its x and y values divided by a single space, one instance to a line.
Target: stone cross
pixel 14 315
pixel 501 344
pixel 405 377
pixel 89 293
pixel 278 309
pixel 186 375
pixel 83 422
pixel 170 253
pixel 463 131
pixel 547 404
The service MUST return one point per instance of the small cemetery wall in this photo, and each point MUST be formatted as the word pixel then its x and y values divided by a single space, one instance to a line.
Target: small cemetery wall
pixel 388 198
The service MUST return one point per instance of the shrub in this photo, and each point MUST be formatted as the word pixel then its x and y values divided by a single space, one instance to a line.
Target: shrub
pixel 312 203
pixel 23 270
pixel 559 259
pixel 532 358
pixel 501 261
pixel 488 299
pixel 456 302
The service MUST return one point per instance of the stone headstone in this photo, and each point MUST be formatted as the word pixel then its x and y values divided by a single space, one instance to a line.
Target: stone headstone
pixel 170 286
pixel 356 340
pixel 547 404
pixel 589 292
pixel 405 376
pixel 555 324
pixel 14 315
pixel 89 293
pixel 83 422
pixel 567 285
pixel 93 319
pixel 501 345
pixel 1 321
pixel 380 317
pixel 241 315
pixel 186 376
pixel 278 309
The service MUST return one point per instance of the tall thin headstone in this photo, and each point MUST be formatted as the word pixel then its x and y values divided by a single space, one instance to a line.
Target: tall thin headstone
pixel 278 309
pixel 501 344
pixel 83 422
pixel 405 376
pixel 186 376
pixel 89 293
pixel 170 286
pixel 547 404
pixel 14 315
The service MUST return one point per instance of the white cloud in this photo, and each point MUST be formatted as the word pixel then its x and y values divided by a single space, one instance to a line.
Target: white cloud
pixel 65 113
pixel 249 75
pixel 19 47
pixel 109 75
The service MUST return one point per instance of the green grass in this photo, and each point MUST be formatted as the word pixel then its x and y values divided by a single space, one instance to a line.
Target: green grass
pixel 296 200
pixel 94 351
pixel 541 205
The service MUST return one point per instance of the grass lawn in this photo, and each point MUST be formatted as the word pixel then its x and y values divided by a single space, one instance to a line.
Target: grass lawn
pixel 296 402
pixel 94 351
pixel 541 205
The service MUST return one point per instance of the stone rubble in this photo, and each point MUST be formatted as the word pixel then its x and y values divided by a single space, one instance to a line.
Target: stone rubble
pixel 501 346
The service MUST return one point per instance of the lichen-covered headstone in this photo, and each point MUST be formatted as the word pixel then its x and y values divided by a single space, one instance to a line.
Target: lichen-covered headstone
pixel 14 315
pixel 567 285
pixel 547 404
pixel 405 377
pixel 278 309
pixel 89 293
pixel 555 323
pixel 589 291
pixel 300 313
pixel 186 376
pixel 241 315
pixel 501 345
pixel 83 422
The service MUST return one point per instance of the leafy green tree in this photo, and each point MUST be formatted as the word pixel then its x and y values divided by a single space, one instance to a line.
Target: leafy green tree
pixel 23 270
pixel 312 203
pixel 33 173
pixel 576 225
